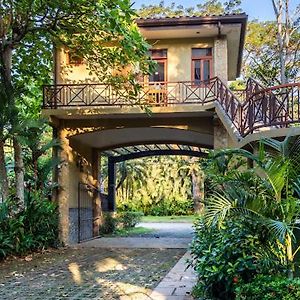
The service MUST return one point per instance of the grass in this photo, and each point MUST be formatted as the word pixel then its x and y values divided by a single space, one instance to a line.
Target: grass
pixel 168 219
pixel 135 231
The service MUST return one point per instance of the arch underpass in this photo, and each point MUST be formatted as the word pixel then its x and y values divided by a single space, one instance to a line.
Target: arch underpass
pixel 138 151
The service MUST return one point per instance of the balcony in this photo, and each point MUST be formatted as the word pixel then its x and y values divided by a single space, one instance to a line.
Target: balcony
pixel 148 94
pixel 249 111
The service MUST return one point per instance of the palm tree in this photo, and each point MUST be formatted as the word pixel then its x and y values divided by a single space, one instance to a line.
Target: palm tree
pixel 276 205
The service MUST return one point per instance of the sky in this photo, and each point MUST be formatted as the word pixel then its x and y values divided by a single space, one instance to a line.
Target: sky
pixel 255 9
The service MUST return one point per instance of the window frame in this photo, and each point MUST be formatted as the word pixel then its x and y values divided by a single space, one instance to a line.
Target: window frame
pixel 202 59
pixel 73 62
pixel 163 59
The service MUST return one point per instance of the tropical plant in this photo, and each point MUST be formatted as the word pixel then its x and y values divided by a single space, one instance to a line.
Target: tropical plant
pixel 129 219
pixel 276 205
pixel 234 253
pixel 36 227
pixel 264 287
pixel 156 186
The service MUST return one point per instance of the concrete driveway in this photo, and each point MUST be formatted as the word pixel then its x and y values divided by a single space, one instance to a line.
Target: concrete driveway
pixel 163 236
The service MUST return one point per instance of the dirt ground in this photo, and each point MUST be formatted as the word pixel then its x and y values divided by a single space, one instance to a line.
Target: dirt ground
pixel 86 273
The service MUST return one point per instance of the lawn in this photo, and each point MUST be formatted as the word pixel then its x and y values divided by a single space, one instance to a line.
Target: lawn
pixel 169 219
pixel 135 231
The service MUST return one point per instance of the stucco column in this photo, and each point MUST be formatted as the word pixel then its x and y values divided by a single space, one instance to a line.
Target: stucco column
pixel 221 137
pixel 111 185
pixel 63 177
pixel 97 211
pixel 221 58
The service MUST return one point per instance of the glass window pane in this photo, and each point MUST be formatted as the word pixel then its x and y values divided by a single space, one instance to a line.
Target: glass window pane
pixel 158 53
pixel 198 52
pixel 206 69
pixel 197 71
pixel 159 73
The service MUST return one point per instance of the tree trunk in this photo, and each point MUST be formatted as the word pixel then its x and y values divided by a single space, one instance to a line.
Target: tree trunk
pixel 283 35
pixel 290 259
pixel 19 174
pixel 3 174
pixel 198 191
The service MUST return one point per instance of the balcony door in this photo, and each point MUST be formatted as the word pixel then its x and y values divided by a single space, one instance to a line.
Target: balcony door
pixel 160 73
pixel 158 80
pixel 201 65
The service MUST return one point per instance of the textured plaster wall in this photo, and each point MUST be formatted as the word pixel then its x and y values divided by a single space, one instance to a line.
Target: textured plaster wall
pixel 221 58
pixel 179 60
pixel 76 167
pixel 222 139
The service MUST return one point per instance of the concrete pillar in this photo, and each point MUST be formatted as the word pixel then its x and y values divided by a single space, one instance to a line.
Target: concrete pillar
pixel 63 177
pixel 221 58
pixel 221 136
pixel 111 185
pixel 97 211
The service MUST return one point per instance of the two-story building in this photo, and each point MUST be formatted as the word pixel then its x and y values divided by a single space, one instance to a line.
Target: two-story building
pixel 192 110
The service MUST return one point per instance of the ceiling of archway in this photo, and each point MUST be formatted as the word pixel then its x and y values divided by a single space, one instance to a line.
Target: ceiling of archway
pixel 127 150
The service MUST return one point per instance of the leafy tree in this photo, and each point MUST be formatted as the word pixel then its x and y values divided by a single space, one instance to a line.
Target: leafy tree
pixel 262 54
pixel 209 7
pixel 28 30
pixel 286 26
pixel 158 185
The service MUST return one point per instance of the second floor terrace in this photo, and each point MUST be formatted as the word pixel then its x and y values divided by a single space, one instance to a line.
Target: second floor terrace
pixel 246 110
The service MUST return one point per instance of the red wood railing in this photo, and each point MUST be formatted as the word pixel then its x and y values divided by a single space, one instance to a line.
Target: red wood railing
pixel 260 107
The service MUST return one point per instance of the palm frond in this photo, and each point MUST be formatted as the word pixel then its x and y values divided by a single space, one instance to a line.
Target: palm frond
pixel 278 229
pixel 218 207
pixel 275 171
pixel 296 184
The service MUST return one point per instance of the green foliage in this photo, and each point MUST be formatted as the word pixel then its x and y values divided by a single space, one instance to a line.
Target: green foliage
pixel 34 228
pixel 262 56
pixel 109 225
pixel 29 29
pixel 209 7
pixel 124 220
pixel 155 186
pixel 268 288
pixel 224 256
pixel 129 219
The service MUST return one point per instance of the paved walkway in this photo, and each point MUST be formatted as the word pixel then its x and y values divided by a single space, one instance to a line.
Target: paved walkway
pixel 164 236
pixel 177 284
pixel 138 242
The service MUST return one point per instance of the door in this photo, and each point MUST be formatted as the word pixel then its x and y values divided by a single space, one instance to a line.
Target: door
pixel 158 80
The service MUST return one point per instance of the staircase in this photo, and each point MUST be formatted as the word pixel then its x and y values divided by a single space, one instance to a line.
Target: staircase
pixel 261 109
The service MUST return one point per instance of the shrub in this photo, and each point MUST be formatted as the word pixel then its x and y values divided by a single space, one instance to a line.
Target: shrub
pixel 109 225
pixel 129 219
pixel 269 287
pixel 224 256
pixel 34 228
pixel 159 207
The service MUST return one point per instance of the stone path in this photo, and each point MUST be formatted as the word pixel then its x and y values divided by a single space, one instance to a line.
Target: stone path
pixel 177 284
pixel 138 242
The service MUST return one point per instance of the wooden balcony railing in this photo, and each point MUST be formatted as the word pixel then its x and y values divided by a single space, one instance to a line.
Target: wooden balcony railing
pixel 249 110
pixel 151 94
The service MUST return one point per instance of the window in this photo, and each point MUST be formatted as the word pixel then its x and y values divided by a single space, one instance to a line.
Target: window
pixel 74 58
pixel 201 64
pixel 160 56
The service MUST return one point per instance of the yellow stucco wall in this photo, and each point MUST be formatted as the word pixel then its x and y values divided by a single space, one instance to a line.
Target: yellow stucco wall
pixel 179 60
